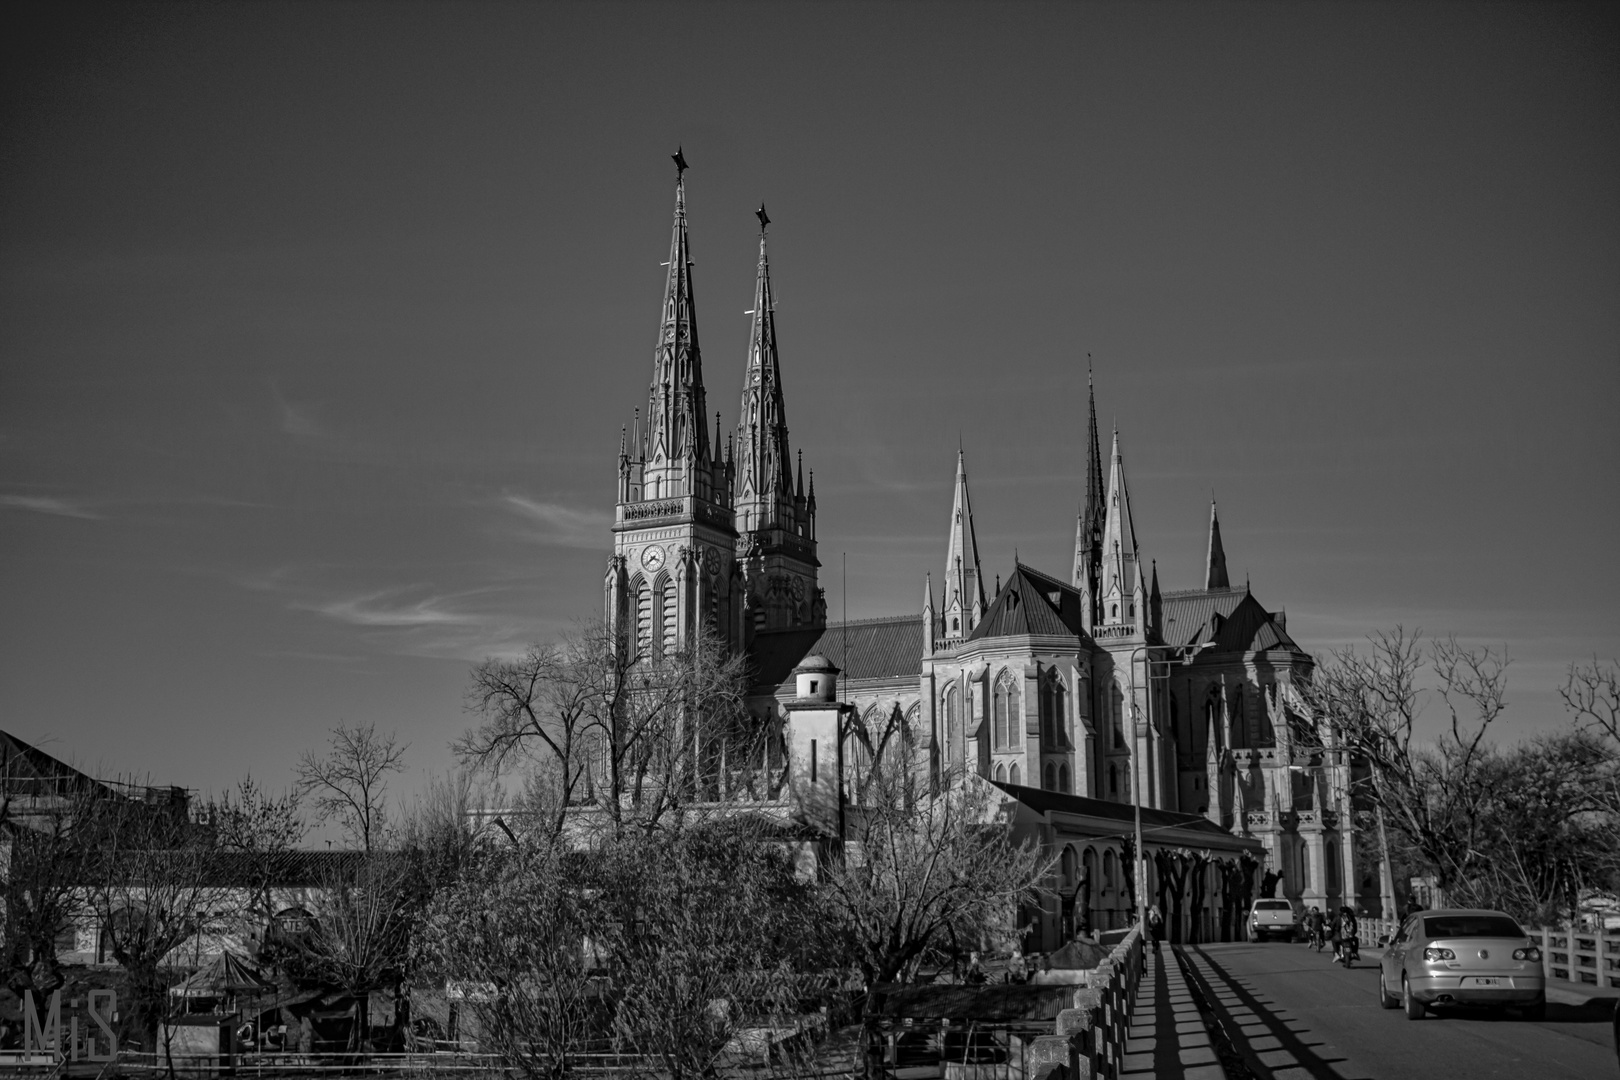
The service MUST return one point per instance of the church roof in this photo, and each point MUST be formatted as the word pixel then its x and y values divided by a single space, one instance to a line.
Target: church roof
pixel 1231 618
pixel 884 648
pixel 1031 603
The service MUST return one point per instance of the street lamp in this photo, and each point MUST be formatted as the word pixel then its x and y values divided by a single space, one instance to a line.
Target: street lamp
pixel 1186 653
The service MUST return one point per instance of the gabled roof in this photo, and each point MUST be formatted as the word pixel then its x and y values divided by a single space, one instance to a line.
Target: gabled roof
pixel 885 648
pixel 26 770
pixel 1231 618
pixel 1031 603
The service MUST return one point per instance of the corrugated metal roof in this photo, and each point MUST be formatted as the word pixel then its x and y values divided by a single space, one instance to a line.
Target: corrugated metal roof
pixel 1031 603
pixel 884 648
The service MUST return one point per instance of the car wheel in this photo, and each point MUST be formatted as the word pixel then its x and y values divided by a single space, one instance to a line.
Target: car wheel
pixel 1538 1011
pixel 1385 999
pixel 1414 1008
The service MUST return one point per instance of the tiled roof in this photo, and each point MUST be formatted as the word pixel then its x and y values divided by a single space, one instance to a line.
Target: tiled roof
pixel 1231 618
pixel 1031 603
pixel 1187 614
pixel 884 648
pixel 1042 801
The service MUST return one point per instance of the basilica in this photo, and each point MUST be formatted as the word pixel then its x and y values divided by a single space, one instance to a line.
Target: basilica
pixel 1080 694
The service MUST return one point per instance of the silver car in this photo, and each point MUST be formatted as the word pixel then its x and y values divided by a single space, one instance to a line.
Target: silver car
pixel 1462 957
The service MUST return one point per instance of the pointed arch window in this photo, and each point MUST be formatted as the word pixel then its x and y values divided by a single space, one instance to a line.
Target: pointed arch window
pixel 1118 700
pixel 1013 776
pixel 1001 773
pixel 1049 779
pixel 1054 719
pixel 999 715
pixel 671 623
pixel 644 618
pixel 1063 779
pixel 953 722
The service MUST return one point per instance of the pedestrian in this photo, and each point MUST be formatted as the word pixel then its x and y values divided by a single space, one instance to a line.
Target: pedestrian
pixel 1155 920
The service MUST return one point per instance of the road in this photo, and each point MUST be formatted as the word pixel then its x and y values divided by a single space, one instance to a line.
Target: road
pixel 1293 1014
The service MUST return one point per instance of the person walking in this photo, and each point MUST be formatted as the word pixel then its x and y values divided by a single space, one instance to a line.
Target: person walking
pixel 1155 921
pixel 1314 924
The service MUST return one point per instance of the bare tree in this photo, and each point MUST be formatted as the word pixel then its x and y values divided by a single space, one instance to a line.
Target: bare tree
pixel 1592 693
pixel 1548 831
pixel 153 886
pixel 41 876
pixel 639 738
pixel 360 940
pixel 1370 702
pixel 925 866
pixel 350 782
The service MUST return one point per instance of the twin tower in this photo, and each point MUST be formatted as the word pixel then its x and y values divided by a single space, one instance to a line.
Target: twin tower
pixel 712 533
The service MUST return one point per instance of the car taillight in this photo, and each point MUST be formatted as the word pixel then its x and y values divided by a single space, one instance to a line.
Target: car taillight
pixel 1432 954
pixel 1532 953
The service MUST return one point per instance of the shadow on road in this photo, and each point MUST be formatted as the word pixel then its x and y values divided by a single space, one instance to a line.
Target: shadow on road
pixel 1273 1044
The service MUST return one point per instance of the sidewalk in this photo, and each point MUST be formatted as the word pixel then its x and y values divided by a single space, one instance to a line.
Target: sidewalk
pixel 1168 1039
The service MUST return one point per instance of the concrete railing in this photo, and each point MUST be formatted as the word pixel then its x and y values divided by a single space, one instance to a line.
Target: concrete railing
pixel 1583 956
pixel 1089 1040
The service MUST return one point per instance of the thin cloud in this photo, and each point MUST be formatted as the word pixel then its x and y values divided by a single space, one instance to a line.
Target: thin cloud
pixel 562 526
pixel 41 504
pixel 374 610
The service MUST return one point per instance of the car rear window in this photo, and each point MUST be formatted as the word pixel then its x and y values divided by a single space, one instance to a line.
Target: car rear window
pixel 1449 926
pixel 1272 905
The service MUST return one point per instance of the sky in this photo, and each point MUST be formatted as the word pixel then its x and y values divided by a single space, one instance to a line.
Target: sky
pixel 319 324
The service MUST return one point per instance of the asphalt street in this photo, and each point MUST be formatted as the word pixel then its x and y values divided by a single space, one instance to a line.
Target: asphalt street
pixel 1293 1014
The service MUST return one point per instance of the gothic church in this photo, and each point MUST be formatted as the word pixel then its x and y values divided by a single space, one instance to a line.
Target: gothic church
pixel 1077 694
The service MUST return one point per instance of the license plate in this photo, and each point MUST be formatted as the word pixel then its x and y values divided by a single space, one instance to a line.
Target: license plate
pixel 1482 980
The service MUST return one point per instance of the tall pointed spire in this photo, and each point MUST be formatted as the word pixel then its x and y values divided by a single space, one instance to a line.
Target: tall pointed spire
pixel 676 410
pixel 964 583
pixel 764 467
pixel 1088 526
pixel 1121 589
pixel 1215 564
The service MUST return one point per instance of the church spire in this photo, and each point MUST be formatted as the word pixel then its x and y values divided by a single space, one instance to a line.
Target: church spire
pixel 676 411
pixel 964 584
pixel 765 491
pixel 1215 564
pixel 1088 525
pixel 1121 588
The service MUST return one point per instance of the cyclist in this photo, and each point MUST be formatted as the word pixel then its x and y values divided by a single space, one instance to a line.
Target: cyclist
pixel 1314 924
pixel 1345 945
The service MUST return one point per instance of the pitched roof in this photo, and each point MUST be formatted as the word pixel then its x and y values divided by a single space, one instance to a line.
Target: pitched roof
pixel 1042 801
pixel 1231 618
pixel 1187 613
pixel 884 648
pixel 1031 603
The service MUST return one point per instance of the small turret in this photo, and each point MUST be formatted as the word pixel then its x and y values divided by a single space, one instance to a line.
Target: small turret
pixel 1215 563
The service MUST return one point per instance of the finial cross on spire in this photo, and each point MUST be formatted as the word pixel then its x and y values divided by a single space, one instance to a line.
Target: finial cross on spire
pixel 680 162
pixel 764 218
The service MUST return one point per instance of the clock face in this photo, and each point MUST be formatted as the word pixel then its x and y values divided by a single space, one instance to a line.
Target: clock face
pixel 653 557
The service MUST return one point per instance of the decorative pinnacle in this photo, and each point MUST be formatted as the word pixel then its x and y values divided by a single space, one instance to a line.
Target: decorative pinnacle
pixel 764 218
pixel 680 162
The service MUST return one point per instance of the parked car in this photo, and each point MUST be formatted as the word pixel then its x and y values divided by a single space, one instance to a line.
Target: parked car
pixel 1272 918
pixel 1462 957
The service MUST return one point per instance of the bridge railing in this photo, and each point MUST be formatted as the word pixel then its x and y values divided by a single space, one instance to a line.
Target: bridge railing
pixel 1581 956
